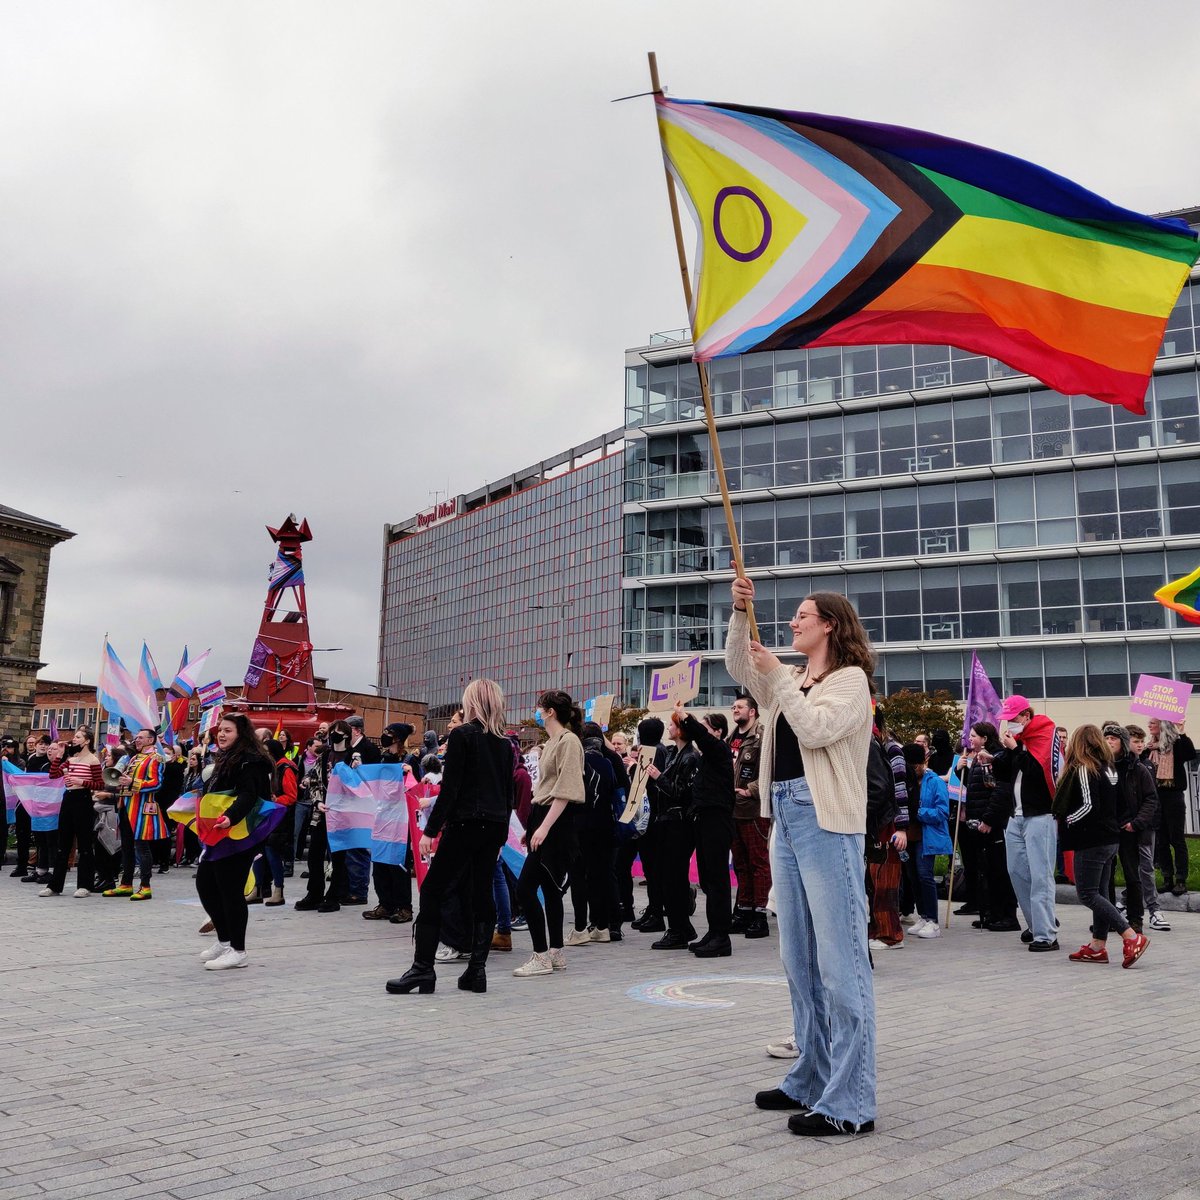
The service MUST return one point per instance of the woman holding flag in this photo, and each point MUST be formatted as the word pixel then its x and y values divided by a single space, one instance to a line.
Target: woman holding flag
pixel 243 772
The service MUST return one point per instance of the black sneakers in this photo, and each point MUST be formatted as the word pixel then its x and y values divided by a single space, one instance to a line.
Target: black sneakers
pixel 811 1124
pixel 776 1100
pixel 1042 947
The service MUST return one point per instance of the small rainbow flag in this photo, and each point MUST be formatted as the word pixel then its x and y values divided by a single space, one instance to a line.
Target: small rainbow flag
pixel 823 231
pixel 1182 596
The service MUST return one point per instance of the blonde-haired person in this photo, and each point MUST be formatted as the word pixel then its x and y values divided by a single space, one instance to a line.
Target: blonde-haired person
pixel 1085 803
pixel 816 730
pixel 471 814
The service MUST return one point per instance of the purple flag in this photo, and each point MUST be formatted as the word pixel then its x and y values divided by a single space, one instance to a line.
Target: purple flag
pixel 982 702
pixel 258 658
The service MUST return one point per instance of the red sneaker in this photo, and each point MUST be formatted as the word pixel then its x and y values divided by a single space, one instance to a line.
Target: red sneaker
pixel 1087 953
pixel 1135 947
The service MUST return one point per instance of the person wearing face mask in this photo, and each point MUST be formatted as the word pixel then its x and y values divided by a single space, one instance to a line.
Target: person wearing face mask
pixel 319 898
pixel 1026 761
pixel 78 765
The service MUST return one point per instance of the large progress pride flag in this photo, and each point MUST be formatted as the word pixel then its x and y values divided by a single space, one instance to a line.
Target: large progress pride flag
pixel 823 231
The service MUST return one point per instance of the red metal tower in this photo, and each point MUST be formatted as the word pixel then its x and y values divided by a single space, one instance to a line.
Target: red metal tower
pixel 279 687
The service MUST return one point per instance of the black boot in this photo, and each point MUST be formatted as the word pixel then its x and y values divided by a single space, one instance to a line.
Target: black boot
pixel 757 926
pixel 418 978
pixel 741 918
pixel 474 978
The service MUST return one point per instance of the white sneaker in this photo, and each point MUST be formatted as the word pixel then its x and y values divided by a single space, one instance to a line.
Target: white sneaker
pixel 214 951
pixel 558 960
pixel 1159 922
pixel 449 954
pixel 578 937
pixel 785 1049
pixel 81 892
pixel 227 961
pixel 539 964
pixel 876 944
pixel 912 920
pixel 929 929
pixel 601 935
pixel 49 891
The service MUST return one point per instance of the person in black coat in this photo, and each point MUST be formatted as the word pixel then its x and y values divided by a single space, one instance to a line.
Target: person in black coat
pixel 672 799
pixel 711 815
pixel 988 805
pixel 471 814
pixel 595 827
pixel 1137 817
pixel 646 847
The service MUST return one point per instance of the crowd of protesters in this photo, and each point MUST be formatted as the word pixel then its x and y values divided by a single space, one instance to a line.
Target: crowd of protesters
pixel 828 820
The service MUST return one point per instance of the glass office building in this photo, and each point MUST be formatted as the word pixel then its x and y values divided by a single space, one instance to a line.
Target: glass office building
pixel 959 505
pixel 519 581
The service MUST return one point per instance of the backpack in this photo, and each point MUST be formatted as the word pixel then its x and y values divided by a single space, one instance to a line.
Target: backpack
pixel 881 791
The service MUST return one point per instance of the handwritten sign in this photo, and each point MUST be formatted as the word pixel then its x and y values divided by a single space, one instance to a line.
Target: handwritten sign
pixel 1166 699
pixel 680 681
pixel 599 709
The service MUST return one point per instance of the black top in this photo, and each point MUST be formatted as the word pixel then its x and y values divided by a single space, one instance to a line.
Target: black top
pixel 712 786
pixel 477 779
pixel 788 762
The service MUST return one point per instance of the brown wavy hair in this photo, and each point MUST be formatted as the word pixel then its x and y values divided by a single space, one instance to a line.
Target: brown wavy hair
pixel 849 645
pixel 1086 751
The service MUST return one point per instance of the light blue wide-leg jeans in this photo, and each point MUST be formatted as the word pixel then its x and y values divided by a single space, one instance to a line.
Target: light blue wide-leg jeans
pixel 821 903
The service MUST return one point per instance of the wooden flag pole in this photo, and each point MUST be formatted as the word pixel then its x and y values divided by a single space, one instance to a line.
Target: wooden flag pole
pixel 953 855
pixel 718 461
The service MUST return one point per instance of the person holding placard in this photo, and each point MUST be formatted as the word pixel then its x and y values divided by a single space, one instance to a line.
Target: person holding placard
pixel 813 783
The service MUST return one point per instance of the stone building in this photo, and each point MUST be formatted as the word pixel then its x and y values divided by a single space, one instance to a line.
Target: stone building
pixel 25 545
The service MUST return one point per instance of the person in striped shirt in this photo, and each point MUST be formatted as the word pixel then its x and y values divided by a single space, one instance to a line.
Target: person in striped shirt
pixel 79 766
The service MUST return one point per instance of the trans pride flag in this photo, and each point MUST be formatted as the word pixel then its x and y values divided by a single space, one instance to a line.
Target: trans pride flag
pixel 513 853
pixel 366 809
pixel 823 231
pixel 39 795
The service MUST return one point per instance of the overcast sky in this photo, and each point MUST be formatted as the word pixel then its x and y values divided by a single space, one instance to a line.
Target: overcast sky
pixel 332 258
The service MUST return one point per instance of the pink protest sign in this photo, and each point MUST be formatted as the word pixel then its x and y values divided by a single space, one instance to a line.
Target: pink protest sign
pixel 1166 699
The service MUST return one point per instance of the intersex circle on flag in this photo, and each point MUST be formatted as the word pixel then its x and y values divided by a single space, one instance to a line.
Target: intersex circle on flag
pixel 725 194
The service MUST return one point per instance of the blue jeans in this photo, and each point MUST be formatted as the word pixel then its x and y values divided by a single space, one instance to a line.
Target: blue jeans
pixel 503 900
pixel 927 889
pixel 358 872
pixel 1030 844
pixel 821 902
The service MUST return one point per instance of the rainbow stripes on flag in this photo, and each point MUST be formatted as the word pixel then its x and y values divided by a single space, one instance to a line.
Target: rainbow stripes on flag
pixel 823 231
pixel 367 809
pixel 1182 596
pixel 39 795
pixel 251 831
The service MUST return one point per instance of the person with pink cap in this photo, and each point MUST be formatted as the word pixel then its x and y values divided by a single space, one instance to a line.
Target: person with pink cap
pixel 1026 761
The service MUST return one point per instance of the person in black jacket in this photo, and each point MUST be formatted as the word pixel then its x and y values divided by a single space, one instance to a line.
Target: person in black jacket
pixel 711 815
pixel 1169 752
pixel 244 768
pixel 989 805
pixel 471 813
pixel 1085 804
pixel 595 828
pixel 645 847
pixel 1137 815
pixel 674 835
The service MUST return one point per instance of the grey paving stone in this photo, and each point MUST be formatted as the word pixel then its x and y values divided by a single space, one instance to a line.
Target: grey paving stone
pixel 315 1083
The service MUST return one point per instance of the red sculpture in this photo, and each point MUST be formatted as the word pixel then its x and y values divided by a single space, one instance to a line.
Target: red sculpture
pixel 279 690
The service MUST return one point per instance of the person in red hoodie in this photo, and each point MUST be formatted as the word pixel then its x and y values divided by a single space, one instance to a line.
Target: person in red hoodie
pixel 1028 761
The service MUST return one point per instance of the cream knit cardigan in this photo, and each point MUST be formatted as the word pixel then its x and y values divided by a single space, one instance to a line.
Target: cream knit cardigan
pixel 832 724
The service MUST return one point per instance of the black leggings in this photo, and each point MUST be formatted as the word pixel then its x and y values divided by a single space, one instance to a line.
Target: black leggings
pixel 221 886
pixel 592 879
pixel 546 868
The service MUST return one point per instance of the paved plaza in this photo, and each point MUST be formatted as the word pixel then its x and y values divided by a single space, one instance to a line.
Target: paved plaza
pixel 129 1071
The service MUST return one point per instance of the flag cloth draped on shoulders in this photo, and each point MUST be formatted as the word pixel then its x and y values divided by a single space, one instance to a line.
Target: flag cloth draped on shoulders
pixel 824 231
pixel 1182 596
